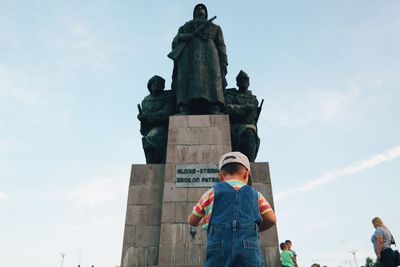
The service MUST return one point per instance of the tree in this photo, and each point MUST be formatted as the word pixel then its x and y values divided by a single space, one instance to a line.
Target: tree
pixel 371 263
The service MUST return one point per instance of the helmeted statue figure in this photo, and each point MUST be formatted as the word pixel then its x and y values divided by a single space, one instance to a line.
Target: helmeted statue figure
pixel 243 110
pixel 154 116
pixel 200 65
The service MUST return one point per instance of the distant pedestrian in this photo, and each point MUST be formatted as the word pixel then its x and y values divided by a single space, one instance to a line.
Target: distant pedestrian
pixel 381 240
pixel 286 256
pixel 234 214
pixel 289 246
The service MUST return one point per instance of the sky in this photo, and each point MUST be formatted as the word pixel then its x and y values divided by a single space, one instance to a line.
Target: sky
pixel 72 72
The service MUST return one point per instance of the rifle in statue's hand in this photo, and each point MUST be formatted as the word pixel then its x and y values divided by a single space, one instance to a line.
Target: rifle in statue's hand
pixel 259 110
pixel 176 52
pixel 139 109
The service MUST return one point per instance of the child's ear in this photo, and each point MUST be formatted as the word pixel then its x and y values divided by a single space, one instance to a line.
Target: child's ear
pixel 220 177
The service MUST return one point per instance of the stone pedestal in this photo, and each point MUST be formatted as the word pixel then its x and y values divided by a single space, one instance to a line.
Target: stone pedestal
pixel 156 229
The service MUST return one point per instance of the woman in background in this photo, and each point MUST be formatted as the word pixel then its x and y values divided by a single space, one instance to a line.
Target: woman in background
pixel 381 240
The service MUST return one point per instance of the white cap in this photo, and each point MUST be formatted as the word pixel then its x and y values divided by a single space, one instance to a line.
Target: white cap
pixel 235 157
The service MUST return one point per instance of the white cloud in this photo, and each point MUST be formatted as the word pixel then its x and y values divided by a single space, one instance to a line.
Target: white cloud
pixel 13 85
pixel 96 192
pixel 3 196
pixel 308 106
pixel 100 221
pixel 353 168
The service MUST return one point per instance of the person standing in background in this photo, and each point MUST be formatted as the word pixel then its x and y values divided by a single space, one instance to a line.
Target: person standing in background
pixel 381 239
pixel 289 246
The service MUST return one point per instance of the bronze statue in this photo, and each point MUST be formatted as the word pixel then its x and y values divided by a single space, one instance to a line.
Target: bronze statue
pixel 243 110
pixel 154 116
pixel 200 65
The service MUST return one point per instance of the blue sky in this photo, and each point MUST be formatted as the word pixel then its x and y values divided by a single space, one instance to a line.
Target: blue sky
pixel 72 72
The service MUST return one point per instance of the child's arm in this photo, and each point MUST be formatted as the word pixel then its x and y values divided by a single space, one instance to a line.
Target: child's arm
pixel 269 219
pixel 193 220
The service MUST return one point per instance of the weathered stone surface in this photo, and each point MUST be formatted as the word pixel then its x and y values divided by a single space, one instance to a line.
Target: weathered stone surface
pixel 168 213
pixel 147 174
pixel 165 255
pixel 195 254
pixel 173 234
pixel 271 256
pixel 147 236
pixel 129 236
pixel 144 194
pixel 219 120
pixel 181 213
pixel 201 121
pixel 260 172
pixel 194 194
pixel 154 214
pixel 152 255
pixel 171 193
pixel 136 215
pixel 178 122
pixel 270 237
pixel 170 173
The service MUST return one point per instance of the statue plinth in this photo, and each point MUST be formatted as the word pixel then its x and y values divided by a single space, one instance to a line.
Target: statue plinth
pixel 156 228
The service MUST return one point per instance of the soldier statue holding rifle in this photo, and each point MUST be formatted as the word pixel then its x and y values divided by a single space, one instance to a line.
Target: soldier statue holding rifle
pixel 200 65
pixel 242 107
pixel 154 115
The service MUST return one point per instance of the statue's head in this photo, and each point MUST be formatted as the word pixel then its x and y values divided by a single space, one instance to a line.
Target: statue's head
pixel 200 12
pixel 156 84
pixel 243 80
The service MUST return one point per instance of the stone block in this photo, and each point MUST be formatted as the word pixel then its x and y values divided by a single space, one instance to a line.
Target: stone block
pixel 178 121
pixel 220 120
pixel 270 236
pixel 168 212
pixel 215 135
pixel 136 215
pixel 170 173
pixel 181 212
pixel 183 136
pixel 172 193
pixel 154 214
pixel 173 234
pixel 179 252
pixel 127 258
pixel 129 236
pixel 271 256
pixel 142 174
pixel 260 172
pixel 165 255
pixel 206 153
pixel 195 255
pixel 139 257
pixel 152 255
pixel 144 194
pixel 262 188
pixel 147 236
pixel 177 153
pixel 199 121
pixel 194 194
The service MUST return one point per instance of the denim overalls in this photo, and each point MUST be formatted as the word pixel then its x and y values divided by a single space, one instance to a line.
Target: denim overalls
pixel 232 235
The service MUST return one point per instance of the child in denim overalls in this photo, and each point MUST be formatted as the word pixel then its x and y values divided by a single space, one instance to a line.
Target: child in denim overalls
pixel 233 213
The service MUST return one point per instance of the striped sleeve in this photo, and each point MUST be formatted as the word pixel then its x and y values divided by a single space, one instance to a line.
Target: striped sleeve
pixel 203 205
pixel 263 204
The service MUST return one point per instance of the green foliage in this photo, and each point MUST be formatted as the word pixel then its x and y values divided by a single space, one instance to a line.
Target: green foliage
pixel 371 263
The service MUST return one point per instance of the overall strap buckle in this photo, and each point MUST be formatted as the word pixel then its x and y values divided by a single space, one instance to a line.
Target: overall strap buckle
pixel 234 225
